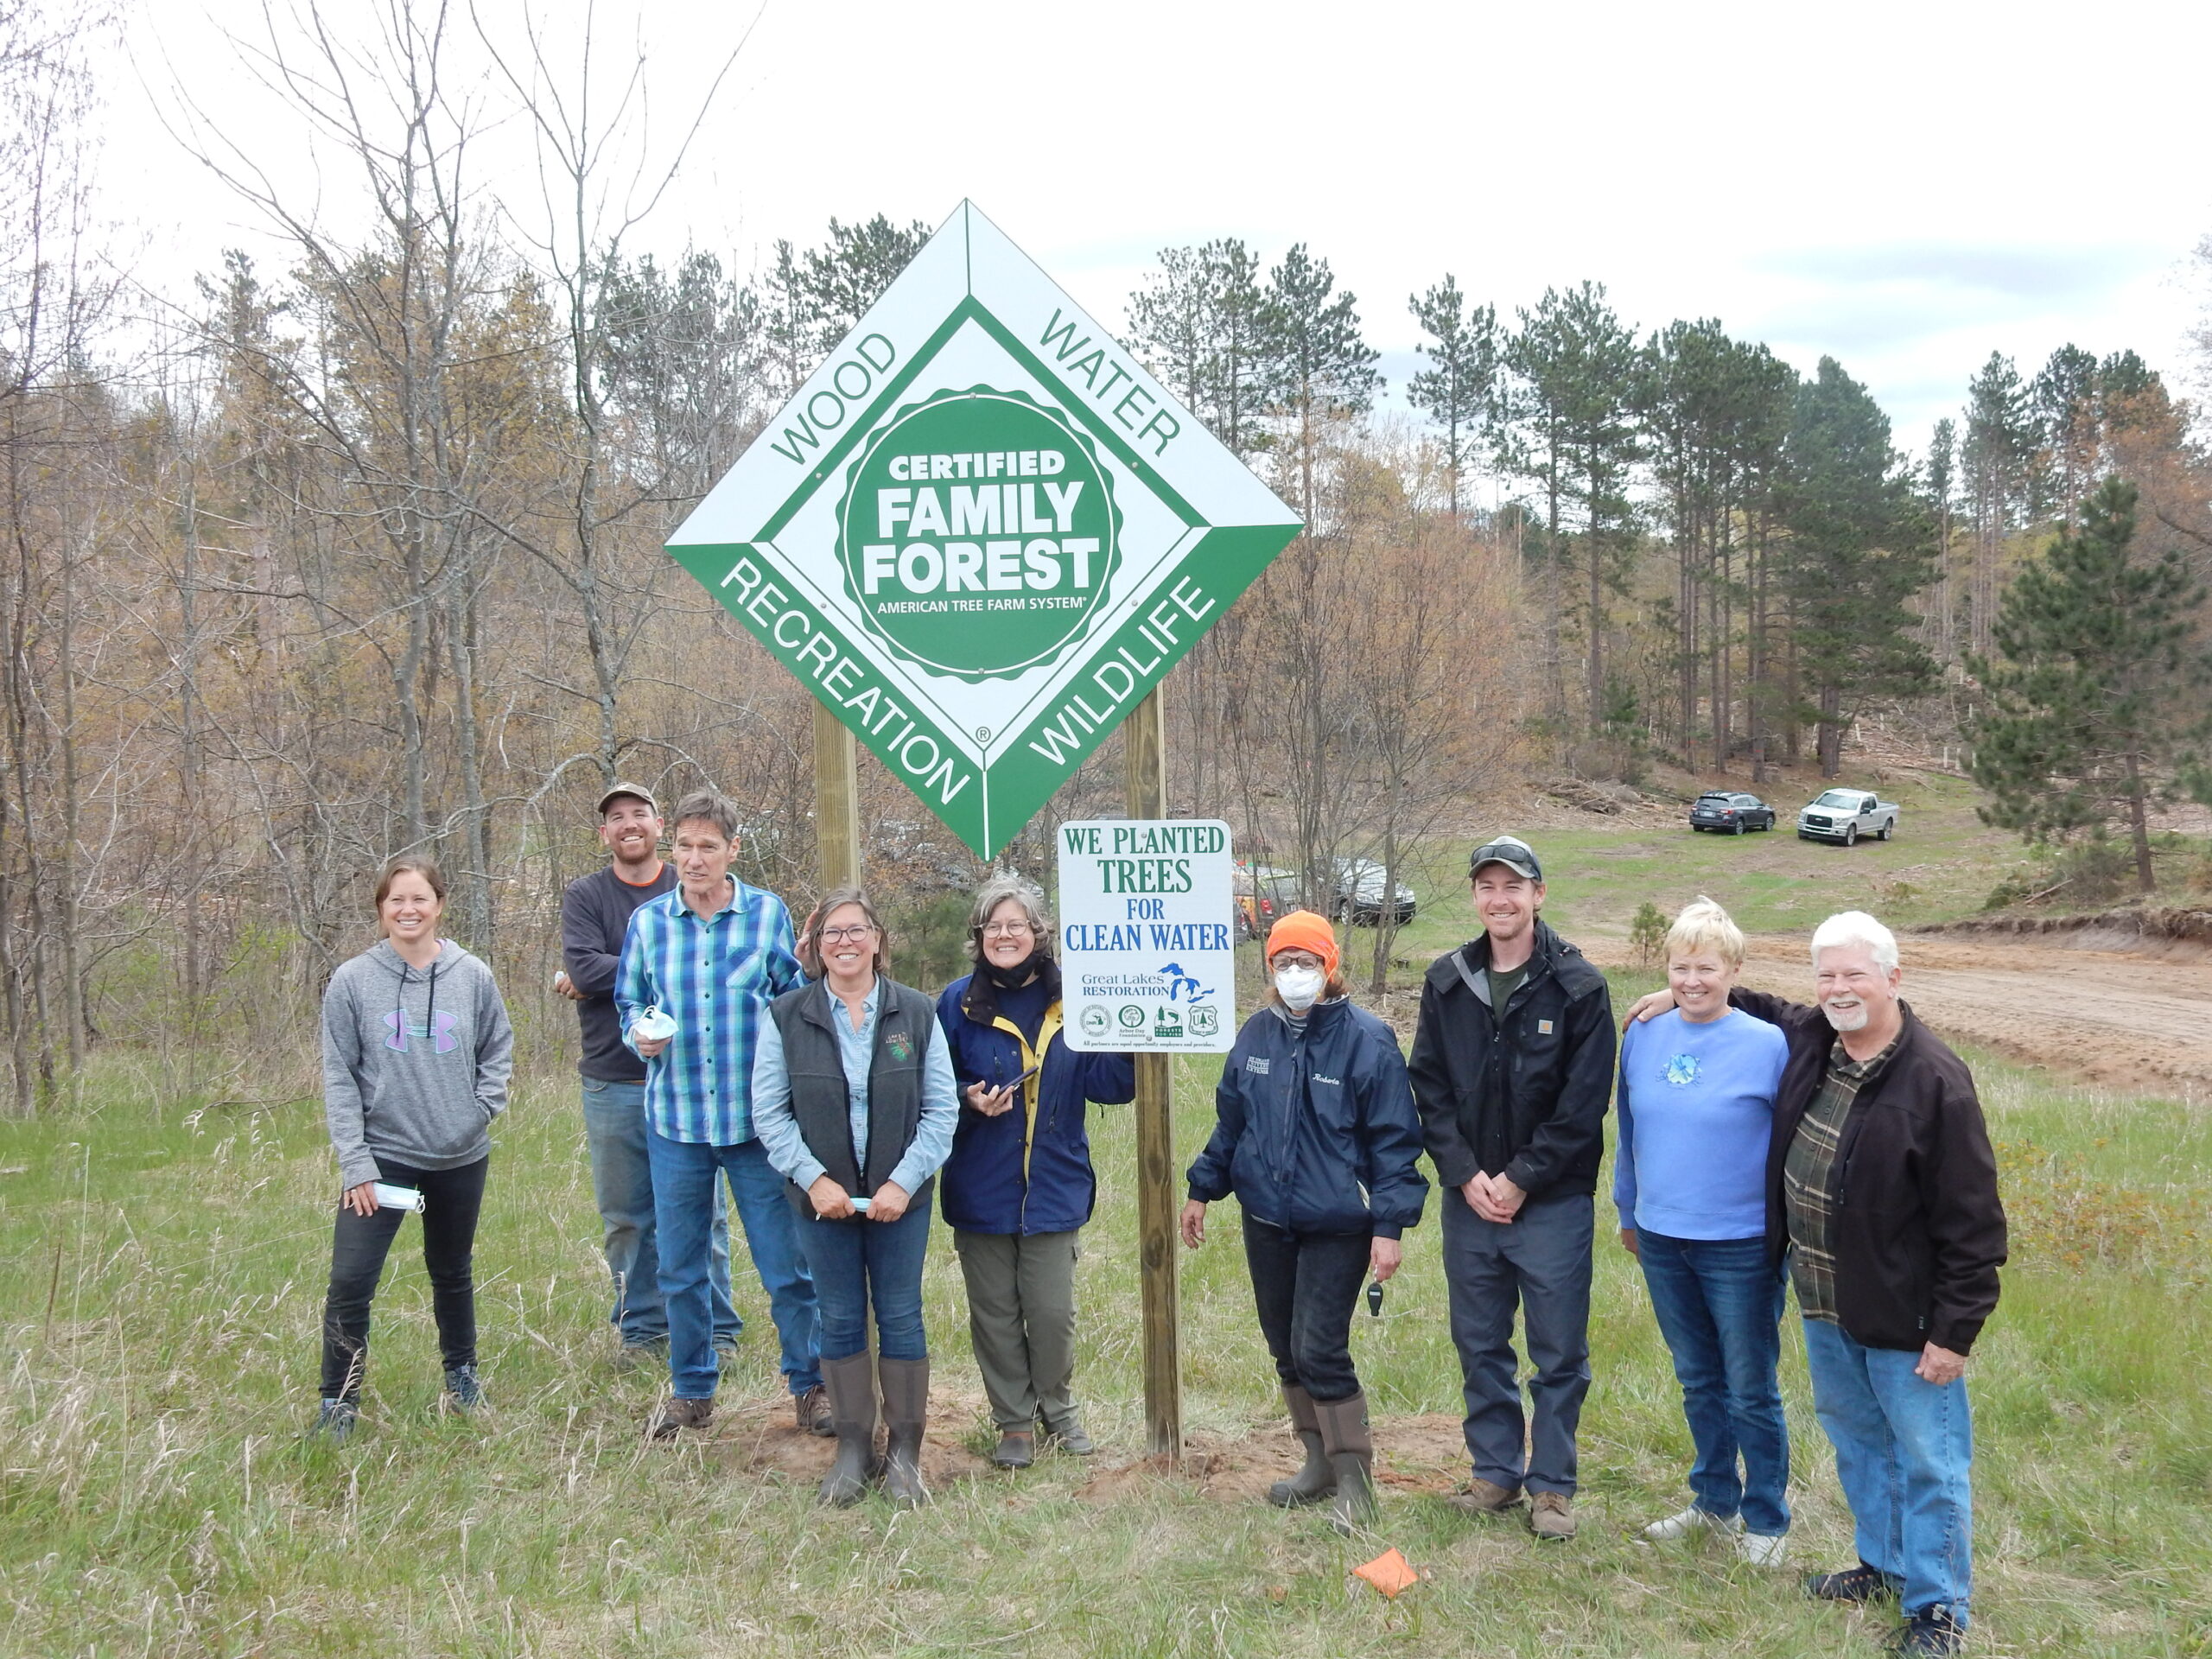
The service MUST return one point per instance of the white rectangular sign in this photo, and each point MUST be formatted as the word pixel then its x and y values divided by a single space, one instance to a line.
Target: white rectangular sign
pixel 1147 940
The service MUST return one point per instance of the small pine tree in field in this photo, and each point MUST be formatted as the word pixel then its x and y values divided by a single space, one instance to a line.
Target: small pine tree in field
pixel 1646 934
pixel 2096 687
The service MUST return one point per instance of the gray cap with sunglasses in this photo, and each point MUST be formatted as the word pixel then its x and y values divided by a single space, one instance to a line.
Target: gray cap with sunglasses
pixel 1516 854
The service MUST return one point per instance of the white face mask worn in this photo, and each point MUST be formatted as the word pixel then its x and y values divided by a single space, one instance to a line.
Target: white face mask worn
pixel 1300 988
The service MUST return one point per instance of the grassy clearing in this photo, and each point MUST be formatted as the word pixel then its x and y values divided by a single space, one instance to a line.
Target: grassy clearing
pixel 162 1268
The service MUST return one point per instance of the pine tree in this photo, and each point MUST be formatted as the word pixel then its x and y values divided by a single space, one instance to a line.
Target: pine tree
pixel 2091 700
pixel 1459 391
pixel 1995 457
pixel 1859 550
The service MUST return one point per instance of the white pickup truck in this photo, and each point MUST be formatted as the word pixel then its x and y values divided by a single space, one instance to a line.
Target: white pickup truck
pixel 1844 815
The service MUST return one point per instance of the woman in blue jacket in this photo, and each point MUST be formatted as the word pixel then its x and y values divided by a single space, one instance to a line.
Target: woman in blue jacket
pixel 1018 1184
pixel 1317 1137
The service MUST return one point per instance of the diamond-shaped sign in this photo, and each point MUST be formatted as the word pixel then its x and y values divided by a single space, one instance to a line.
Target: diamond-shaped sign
pixel 980 532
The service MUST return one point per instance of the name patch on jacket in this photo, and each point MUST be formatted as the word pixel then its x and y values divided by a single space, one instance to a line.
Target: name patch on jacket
pixel 1255 1063
pixel 1334 1083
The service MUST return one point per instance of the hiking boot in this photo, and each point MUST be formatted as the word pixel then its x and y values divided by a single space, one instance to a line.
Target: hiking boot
pixel 1930 1630
pixel 812 1411
pixel 334 1422
pixel 679 1414
pixel 1316 1481
pixel 905 1414
pixel 1485 1497
pixel 1351 1452
pixel 1015 1450
pixel 1067 1435
pixel 649 1353
pixel 464 1394
pixel 850 1385
pixel 1551 1516
pixel 1859 1583
pixel 1761 1548
pixel 1689 1523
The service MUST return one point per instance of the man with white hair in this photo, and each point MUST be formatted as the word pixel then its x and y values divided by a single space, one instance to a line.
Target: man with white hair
pixel 1881 1191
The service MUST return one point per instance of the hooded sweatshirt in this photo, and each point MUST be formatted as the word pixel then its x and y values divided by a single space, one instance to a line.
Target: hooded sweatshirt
pixel 414 1061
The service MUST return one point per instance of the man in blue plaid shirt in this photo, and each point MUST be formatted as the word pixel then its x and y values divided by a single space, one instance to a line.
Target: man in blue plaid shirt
pixel 711 955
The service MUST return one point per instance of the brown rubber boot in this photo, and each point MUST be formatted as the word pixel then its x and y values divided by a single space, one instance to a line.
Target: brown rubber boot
pixel 905 1414
pixel 851 1384
pixel 1351 1456
pixel 1317 1480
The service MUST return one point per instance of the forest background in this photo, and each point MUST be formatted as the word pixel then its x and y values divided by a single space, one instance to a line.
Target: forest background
pixel 357 550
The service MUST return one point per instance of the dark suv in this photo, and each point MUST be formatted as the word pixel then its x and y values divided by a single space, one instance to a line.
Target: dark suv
pixel 1729 813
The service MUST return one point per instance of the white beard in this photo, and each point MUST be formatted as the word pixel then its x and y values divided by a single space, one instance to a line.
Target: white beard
pixel 1846 1019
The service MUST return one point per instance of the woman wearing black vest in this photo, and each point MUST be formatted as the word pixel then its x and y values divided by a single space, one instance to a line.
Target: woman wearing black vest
pixel 853 1102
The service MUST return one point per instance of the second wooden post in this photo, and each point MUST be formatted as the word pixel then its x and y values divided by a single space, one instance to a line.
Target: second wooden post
pixel 1144 737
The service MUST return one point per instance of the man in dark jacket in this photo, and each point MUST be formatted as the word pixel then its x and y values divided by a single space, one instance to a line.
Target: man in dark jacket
pixel 1882 1192
pixel 1512 1068
pixel 595 912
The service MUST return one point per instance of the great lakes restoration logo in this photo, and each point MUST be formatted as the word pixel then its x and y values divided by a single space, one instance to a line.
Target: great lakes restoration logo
pixel 978 533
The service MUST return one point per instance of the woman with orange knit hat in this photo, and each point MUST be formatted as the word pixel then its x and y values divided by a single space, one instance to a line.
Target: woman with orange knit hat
pixel 1316 1134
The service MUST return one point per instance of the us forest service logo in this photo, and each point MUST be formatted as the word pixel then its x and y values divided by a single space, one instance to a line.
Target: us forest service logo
pixel 978 507
pixel 980 532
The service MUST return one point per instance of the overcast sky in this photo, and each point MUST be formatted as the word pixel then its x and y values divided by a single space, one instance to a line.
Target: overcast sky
pixel 1906 186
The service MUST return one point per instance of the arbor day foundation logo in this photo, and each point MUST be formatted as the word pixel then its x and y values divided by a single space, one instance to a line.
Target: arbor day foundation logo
pixel 978 507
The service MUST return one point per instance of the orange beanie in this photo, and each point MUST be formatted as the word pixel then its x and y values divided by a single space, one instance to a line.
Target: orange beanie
pixel 1302 930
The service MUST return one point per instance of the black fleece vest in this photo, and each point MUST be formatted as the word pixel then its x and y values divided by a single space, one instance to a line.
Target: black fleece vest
pixel 905 1025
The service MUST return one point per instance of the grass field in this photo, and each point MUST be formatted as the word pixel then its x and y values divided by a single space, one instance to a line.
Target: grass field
pixel 160 1271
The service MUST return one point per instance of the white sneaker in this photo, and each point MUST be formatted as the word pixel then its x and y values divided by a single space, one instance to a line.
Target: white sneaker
pixel 1761 1548
pixel 1692 1520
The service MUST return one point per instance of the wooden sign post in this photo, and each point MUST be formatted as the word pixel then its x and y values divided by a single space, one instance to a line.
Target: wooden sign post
pixel 836 801
pixel 1144 738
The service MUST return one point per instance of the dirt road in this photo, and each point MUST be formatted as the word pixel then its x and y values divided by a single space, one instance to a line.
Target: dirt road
pixel 2124 1018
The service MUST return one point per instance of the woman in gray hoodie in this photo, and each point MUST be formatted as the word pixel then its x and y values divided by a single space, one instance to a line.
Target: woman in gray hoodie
pixel 416 1051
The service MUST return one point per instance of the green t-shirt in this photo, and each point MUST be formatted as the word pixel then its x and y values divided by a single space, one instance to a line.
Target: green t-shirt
pixel 1502 987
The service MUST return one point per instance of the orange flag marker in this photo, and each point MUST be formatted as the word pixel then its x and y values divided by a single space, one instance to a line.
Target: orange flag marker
pixel 1390 1572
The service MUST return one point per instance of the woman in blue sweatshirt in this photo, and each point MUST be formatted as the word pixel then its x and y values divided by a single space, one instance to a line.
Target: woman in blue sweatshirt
pixel 417 1051
pixel 1696 1096
pixel 1316 1134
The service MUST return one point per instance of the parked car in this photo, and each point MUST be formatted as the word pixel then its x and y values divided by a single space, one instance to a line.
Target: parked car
pixel 1360 887
pixel 1729 813
pixel 1263 895
pixel 1844 815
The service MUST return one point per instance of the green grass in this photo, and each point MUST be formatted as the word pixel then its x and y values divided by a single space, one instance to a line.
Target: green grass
pixel 155 1496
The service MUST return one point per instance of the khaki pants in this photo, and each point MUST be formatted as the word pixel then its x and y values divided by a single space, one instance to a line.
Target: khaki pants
pixel 1021 1324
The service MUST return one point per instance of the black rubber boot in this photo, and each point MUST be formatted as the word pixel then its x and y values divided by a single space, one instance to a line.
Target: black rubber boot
pixel 905 1414
pixel 1351 1455
pixel 1317 1481
pixel 851 1382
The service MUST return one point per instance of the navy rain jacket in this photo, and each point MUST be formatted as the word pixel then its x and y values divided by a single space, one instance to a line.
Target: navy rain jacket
pixel 1319 1134
pixel 1029 1170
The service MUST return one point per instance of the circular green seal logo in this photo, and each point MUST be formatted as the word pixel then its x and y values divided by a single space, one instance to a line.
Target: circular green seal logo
pixel 978 533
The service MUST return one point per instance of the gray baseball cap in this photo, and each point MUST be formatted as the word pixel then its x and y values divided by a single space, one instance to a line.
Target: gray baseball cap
pixel 1511 851
pixel 637 790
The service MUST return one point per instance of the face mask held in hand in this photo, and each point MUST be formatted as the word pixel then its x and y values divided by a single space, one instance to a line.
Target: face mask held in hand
pixel 1299 987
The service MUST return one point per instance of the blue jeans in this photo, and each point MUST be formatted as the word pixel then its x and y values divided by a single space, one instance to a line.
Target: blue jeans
pixel 687 1175
pixel 1540 1262
pixel 858 1261
pixel 1904 1452
pixel 1718 1305
pixel 622 1184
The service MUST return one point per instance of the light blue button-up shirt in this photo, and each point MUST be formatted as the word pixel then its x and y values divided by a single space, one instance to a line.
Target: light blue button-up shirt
pixel 779 1132
pixel 715 976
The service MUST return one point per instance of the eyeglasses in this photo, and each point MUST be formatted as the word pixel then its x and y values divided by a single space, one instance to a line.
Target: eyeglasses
pixel 839 935
pixel 1007 930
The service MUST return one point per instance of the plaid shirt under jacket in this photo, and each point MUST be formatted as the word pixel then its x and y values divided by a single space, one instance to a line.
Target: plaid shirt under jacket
pixel 716 979
pixel 1812 1182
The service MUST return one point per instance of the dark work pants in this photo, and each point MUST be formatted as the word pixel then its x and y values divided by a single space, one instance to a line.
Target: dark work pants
pixel 1308 1286
pixel 1537 1264
pixel 451 1199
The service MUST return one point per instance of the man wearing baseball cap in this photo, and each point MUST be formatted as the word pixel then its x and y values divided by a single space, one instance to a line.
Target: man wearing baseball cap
pixel 1512 1067
pixel 596 911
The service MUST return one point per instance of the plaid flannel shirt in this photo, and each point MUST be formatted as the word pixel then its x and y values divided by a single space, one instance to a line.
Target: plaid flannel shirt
pixel 715 978
pixel 1809 1179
